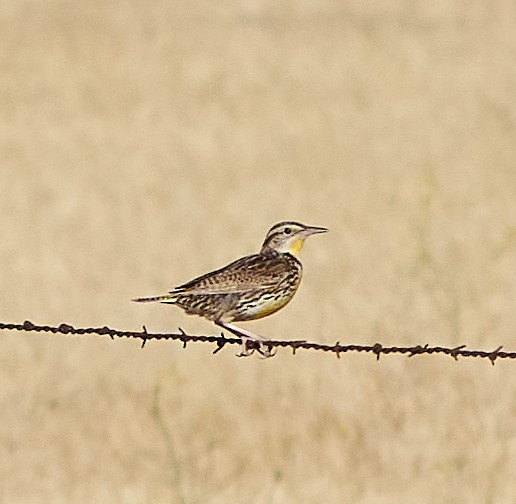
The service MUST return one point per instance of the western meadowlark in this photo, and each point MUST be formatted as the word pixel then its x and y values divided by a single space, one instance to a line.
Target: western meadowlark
pixel 249 288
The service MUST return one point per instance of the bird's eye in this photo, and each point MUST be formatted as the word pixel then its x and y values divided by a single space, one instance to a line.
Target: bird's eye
pixel 287 230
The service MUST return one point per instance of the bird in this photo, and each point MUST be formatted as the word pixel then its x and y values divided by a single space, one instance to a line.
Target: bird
pixel 249 288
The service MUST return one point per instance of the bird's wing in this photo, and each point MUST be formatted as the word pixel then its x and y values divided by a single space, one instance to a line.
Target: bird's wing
pixel 249 273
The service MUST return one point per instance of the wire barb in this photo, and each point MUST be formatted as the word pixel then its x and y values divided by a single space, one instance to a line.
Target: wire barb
pixel 271 345
pixel 377 348
pixel 144 336
pixel 184 337
pixel 494 355
pixel 454 352
pixel 220 343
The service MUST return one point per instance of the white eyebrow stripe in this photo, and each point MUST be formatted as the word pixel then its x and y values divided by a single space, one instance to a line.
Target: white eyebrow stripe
pixel 285 223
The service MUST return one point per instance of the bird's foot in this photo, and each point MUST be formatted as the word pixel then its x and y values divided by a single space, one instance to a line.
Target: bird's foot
pixel 245 350
pixel 261 345
pixel 263 349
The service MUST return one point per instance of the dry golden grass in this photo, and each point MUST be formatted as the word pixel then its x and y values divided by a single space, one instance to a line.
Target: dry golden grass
pixel 143 143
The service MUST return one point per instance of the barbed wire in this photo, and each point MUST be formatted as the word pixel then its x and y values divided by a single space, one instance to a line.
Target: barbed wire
pixel 221 341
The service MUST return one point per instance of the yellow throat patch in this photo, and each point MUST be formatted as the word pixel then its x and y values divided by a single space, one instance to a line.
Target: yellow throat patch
pixel 296 246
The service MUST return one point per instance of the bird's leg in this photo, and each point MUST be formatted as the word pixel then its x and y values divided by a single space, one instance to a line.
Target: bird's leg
pixel 244 335
pixel 247 336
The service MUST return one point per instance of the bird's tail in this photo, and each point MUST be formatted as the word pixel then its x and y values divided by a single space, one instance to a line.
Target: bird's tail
pixel 167 298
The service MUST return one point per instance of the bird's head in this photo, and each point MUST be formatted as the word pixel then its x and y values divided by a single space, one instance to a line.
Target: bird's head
pixel 289 237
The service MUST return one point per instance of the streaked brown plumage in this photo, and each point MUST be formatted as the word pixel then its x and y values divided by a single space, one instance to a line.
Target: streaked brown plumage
pixel 249 288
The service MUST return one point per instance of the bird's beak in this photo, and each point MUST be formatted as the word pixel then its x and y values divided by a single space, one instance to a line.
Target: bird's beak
pixel 310 230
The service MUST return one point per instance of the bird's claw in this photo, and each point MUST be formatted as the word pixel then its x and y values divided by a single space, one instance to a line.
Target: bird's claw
pixel 266 351
pixel 263 349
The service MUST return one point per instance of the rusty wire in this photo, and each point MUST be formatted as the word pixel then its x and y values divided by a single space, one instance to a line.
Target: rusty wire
pixel 220 341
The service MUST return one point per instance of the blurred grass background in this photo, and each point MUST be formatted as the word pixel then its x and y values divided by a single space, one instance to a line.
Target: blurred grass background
pixel 142 144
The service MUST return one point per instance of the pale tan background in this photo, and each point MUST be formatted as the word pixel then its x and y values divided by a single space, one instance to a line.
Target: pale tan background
pixel 143 143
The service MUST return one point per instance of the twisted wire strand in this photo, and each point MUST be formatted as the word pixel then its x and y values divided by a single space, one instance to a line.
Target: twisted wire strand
pixel 220 341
